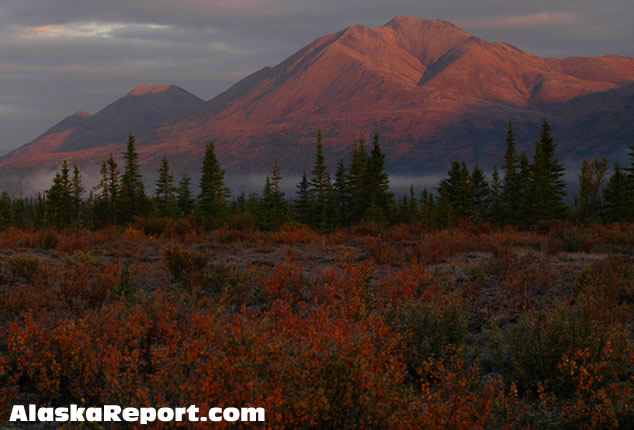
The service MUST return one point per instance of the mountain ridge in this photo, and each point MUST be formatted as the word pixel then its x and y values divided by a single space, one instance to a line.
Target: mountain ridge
pixel 433 91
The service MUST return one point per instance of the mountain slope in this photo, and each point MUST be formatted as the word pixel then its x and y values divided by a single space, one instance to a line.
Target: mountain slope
pixel 433 91
pixel 141 110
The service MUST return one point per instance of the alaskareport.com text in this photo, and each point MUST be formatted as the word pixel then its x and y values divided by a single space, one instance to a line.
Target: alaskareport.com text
pixel 114 413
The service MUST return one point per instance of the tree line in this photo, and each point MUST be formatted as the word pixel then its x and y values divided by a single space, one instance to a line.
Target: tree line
pixel 521 193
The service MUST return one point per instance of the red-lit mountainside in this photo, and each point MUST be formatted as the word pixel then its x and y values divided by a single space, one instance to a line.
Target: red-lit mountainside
pixel 433 92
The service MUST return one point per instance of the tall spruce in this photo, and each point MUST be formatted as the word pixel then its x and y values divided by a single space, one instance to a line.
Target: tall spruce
pixel 59 198
pixel 212 200
pixel 511 184
pixel 378 185
pixel 108 193
pixel 273 201
pixel 480 193
pixel 185 197
pixel 428 207
pixel 6 211
pixel 303 204
pixel 616 195
pixel 165 195
pixel 133 198
pixel 318 187
pixel 77 190
pixel 359 194
pixel 342 192
pixel 524 206
pixel 457 189
pixel 548 184
pixel 496 209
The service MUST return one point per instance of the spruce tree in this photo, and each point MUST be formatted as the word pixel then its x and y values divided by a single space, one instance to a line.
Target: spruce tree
pixel 303 204
pixel 457 189
pixel 133 200
pixel 212 200
pixel 359 194
pixel 273 204
pixel 548 184
pixel 616 196
pixel 108 192
pixel 524 206
pixel 59 200
pixel 6 211
pixel 630 215
pixel 511 187
pixel 428 207
pixel 496 209
pixel 77 189
pixel 342 192
pixel 412 207
pixel 318 187
pixel 165 196
pixel 378 185
pixel 184 195
pixel 480 193
pixel 443 214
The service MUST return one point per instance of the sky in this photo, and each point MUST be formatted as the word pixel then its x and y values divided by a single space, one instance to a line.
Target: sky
pixel 61 56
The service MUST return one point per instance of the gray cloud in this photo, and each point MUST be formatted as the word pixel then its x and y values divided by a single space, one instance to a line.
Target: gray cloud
pixel 57 57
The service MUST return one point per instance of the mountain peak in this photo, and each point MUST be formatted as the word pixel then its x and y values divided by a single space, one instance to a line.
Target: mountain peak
pixel 411 23
pixel 142 90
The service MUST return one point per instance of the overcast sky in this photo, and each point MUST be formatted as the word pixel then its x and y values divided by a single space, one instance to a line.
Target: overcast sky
pixel 61 56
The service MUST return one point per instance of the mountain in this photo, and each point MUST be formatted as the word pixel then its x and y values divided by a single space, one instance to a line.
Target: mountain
pixel 141 110
pixel 433 92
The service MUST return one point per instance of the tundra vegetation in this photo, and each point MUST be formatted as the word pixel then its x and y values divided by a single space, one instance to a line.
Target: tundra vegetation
pixel 476 305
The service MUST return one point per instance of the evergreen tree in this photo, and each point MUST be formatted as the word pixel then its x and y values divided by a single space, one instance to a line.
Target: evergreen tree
pixel 273 204
pixel 589 204
pixel 212 200
pixel 59 199
pixel 412 206
pixel 511 185
pixel 524 207
pixel 630 176
pixel 443 215
pixel 457 189
pixel 77 189
pixel 548 184
pixel 341 189
pixel 133 200
pixel 184 195
pixel 378 185
pixel 318 187
pixel 165 196
pixel 6 211
pixel 428 207
pixel 303 204
pixel 480 193
pixel 108 192
pixel 496 209
pixel 359 194
pixel 616 195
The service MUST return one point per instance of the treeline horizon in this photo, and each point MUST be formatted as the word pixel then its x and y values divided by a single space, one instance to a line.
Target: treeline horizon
pixel 521 193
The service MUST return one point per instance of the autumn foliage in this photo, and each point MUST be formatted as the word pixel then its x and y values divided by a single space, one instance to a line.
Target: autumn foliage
pixel 403 327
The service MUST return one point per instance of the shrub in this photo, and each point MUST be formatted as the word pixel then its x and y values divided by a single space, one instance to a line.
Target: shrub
pixel 532 350
pixel 22 268
pixel 48 239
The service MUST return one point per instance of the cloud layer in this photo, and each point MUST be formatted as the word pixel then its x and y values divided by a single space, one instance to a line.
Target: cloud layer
pixel 57 57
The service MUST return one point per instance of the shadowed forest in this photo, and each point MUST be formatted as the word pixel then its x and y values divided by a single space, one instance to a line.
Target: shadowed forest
pixel 482 303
